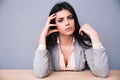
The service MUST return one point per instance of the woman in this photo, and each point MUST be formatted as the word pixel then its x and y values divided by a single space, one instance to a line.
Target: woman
pixel 65 45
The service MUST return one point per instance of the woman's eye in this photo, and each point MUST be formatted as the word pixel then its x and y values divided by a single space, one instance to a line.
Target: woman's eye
pixel 70 17
pixel 60 20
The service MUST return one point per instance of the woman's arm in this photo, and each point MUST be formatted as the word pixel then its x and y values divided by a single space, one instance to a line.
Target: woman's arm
pixel 96 57
pixel 97 61
pixel 42 64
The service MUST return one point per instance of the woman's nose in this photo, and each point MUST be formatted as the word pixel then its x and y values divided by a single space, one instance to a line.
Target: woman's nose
pixel 66 22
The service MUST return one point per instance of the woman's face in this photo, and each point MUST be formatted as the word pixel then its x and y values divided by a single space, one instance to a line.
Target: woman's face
pixel 65 22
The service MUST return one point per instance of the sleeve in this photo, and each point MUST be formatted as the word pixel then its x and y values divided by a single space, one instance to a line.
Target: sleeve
pixel 97 61
pixel 42 47
pixel 97 45
pixel 41 64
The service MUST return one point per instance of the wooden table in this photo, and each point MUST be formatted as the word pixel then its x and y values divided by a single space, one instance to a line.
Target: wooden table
pixel 30 75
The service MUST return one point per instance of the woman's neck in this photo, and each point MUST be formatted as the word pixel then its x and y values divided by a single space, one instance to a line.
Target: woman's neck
pixel 66 40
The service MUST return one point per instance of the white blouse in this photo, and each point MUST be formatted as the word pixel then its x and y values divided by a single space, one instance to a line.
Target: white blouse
pixel 71 59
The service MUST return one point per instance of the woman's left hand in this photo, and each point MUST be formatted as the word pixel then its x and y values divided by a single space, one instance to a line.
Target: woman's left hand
pixel 86 28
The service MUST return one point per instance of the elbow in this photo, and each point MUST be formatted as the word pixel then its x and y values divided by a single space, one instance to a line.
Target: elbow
pixel 103 74
pixel 41 71
pixel 41 75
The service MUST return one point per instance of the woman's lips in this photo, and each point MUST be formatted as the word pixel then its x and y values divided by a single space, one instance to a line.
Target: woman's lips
pixel 68 29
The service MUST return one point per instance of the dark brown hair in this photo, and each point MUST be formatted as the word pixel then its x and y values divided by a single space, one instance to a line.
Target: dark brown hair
pixel 51 40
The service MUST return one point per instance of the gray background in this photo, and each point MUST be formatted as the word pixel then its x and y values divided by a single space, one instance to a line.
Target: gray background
pixel 21 22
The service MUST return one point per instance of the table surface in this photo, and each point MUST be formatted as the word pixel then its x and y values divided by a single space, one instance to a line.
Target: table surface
pixel 65 75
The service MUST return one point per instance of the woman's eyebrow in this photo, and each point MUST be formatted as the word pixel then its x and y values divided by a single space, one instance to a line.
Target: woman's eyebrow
pixel 60 18
pixel 70 15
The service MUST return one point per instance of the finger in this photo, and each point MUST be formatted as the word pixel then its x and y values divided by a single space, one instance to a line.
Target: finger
pixel 52 31
pixel 52 25
pixel 52 16
pixel 81 31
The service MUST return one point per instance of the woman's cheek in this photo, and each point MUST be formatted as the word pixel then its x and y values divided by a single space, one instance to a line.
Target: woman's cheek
pixel 60 26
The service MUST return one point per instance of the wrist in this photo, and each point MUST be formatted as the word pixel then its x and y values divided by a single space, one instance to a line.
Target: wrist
pixel 97 45
pixel 95 38
pixel 42 39
pixel 42 46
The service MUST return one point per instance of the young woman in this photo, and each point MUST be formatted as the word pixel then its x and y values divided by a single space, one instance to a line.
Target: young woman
pixel 65 45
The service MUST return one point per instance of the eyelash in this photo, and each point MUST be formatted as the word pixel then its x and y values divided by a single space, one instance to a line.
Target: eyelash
pixel 70 17
pixel 60 20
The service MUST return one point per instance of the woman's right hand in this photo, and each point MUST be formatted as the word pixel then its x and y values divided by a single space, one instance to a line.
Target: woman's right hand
pixel 47 31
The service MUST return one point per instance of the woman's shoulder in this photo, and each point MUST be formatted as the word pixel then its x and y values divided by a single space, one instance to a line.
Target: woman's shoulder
pixel 79 46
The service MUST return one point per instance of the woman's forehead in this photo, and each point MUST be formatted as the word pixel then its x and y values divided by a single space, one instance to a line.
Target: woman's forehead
pixel 63 13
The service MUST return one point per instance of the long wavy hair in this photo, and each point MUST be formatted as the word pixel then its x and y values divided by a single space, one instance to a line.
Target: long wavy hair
pixel 51 40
